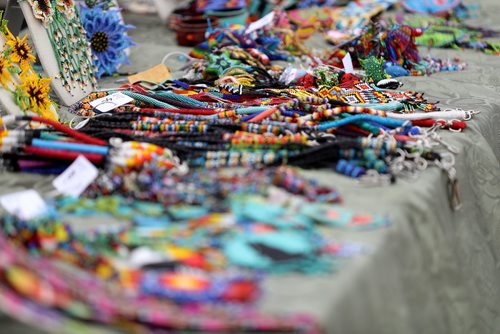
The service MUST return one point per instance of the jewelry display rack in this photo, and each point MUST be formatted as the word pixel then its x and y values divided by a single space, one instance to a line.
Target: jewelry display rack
pixel 16 13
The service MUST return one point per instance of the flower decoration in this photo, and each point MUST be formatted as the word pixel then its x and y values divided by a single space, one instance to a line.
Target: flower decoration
pixel 42 10
pixel 29 91
pixel 5 71
pixel 20 52
pixel 107 36
pixel 66 6
pixel 20 98
pixel 34 94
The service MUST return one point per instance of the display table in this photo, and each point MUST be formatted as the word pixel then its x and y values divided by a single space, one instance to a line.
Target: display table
pixel 432 270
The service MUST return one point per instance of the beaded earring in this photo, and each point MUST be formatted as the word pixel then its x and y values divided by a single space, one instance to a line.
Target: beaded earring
pixel 218 64
pixel 374 68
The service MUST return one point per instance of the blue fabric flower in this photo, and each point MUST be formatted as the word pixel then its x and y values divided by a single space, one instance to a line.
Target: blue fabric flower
pixel 107 35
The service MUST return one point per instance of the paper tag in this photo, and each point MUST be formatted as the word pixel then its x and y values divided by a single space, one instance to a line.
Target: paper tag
pixel 347 62
pixel 268 19
pixel 157 74
pixel 110 102
pixel 76 178
pixel 26 204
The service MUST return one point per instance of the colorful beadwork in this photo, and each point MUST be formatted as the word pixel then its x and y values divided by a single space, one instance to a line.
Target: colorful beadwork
pixel 107 35
pixel 374 68
pixel 29 91
pixel 70 46
pixel 188 240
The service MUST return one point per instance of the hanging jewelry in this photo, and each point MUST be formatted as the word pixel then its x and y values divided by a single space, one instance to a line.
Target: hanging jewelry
pixel 68 40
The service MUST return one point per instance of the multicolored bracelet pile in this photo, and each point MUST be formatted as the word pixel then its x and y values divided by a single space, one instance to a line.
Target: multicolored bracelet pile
pixel 186 240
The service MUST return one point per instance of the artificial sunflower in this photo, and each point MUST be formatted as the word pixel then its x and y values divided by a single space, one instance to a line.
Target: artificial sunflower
pixel 20 52
pixel 4 29
pixel 107 36
pixel 5 66
pixel 20 98
pixel 36 91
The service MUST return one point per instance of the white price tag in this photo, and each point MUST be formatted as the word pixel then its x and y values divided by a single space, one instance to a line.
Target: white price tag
pixel 26 204
pixel 76 178
pixel 110 102
pixel 266 20
pixel 347 62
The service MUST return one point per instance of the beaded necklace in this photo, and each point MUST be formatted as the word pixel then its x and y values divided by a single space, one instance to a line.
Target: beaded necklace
pixel 274 134
pixel 187 235
pixel 65 295
pixel 197 116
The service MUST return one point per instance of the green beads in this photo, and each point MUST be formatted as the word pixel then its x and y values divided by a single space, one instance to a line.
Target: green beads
pixel 374 68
